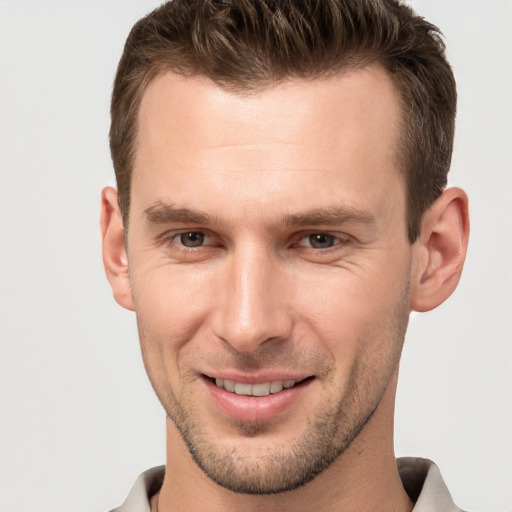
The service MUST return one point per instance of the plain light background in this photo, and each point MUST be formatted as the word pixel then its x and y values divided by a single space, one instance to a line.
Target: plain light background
pixel 79 420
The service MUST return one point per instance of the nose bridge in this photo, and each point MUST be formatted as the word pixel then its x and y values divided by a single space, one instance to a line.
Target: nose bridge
pixel 252 309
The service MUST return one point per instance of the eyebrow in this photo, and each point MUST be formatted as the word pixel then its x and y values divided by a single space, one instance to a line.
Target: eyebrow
pixel 164 213
pixel 329 216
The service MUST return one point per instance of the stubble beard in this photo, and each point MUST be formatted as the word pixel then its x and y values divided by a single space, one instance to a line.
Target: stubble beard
pixel 323 440
pixel 273 471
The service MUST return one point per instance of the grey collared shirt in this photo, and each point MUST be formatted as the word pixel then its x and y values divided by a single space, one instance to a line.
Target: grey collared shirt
pixel 421 479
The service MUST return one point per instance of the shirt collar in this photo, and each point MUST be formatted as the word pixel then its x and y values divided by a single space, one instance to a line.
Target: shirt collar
pixel 421 479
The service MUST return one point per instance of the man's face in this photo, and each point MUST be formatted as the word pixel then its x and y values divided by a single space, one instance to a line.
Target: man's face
pixel 268 249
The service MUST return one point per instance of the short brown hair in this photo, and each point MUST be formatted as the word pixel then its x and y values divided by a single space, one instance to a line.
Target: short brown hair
pixel 247 45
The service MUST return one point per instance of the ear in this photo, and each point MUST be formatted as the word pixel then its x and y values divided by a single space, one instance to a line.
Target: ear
pixel 440 250
pixel 115 258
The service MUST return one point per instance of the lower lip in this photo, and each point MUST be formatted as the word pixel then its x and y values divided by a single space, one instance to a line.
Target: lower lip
pixel 255 408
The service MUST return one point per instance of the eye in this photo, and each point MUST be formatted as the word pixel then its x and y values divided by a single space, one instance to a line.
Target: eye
pixel 191 238
pixel 320 241
pixel 189 246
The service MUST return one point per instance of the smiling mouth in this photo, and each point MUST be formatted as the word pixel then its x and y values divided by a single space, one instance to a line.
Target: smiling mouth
pixel 260 389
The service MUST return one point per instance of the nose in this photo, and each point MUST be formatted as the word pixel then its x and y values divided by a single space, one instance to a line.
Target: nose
pixel 252 307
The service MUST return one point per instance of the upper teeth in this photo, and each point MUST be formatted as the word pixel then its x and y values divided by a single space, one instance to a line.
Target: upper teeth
pixel 263 389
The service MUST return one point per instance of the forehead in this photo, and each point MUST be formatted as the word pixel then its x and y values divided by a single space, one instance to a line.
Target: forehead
pixel 295 136
pixel 185 110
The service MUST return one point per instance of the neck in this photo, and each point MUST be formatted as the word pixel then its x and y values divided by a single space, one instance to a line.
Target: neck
pixel 364 478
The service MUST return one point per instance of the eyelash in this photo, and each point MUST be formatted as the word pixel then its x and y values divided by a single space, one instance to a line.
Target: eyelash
pixel 340 240
pixel 171 239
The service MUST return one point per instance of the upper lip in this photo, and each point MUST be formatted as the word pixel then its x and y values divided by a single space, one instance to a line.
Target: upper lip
pixel 257 378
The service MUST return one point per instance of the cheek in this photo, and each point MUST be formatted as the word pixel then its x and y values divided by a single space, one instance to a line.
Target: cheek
pixel 170 307
pixel 352 309
pixel 171 302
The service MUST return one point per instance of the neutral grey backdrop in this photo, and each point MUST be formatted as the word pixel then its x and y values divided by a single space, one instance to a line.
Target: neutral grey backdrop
pixel 79 421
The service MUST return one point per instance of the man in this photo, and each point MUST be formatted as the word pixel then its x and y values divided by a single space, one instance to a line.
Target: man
pixel 281 209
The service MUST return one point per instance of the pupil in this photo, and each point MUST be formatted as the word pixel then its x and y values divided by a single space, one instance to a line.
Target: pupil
pixel 321 241
pixel 192 239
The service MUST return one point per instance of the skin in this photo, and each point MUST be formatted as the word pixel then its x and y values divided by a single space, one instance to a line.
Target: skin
pixel 260 292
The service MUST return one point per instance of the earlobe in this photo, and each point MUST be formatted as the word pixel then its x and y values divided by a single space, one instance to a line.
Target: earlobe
pixel 440 251
pixel 115 259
